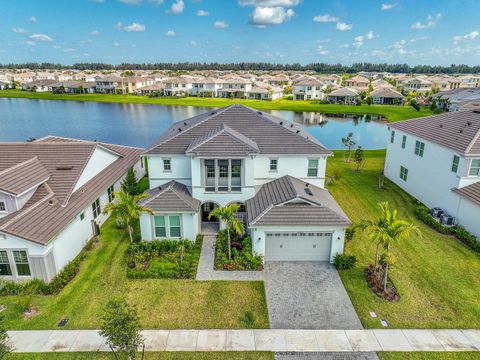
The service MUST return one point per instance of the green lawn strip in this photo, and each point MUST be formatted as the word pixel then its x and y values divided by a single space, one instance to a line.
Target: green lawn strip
pixel 160 303
pixel 391 112
pixel 178 355
pixel 437 276
pixel 429 355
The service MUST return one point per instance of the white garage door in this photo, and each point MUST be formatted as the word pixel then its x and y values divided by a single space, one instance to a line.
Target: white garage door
pixel 298 246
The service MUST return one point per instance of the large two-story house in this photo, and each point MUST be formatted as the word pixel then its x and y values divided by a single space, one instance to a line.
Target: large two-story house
pixel 52 192
pixel 437 160
pixel 272 168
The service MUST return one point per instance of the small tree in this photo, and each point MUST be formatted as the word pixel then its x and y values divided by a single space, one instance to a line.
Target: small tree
pixel 130 183
pixel 349 144
pixel 121 328
pixel 5 346
pixel 127 208
pixel 228 215
pixel 359 158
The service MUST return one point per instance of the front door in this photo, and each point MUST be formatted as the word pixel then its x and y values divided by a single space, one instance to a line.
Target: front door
pixel 206 208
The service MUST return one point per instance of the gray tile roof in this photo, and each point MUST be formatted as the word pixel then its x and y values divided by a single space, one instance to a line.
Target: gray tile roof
pixel 470 192
pixel 459 131
pixel 172 196
pixel 23 176
pixel 54 204
pixel 271 134
pixel 344 92
pixel 385 91
pixel 290 201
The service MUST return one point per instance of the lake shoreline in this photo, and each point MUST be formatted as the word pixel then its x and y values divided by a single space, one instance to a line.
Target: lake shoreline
pixel 390 112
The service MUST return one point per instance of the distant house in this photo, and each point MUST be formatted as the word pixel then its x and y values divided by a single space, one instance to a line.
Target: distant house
pixel 205 87
pixel 178 86
pixel 262 91
pixel 309 88
pixel 156 88
pixel 234 87
pixel 454 99
pixel 344 96
pixel 73 87
pixel 5 85
pixel 131 84
pixel 358 82
pixel 445 83
pixel 386 96
pixel 436 159
pixel 52 193
pixel 108 84
pixel 39 85
pixel 469 81
pixel 417 84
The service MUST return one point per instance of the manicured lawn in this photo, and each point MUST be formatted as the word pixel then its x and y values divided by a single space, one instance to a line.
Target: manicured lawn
pixel 148 356
pixel 392 113
pixel 436 275
pixel 429 355
pixel 160 303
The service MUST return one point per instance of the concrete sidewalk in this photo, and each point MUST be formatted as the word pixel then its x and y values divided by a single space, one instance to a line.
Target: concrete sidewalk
pixel 257 340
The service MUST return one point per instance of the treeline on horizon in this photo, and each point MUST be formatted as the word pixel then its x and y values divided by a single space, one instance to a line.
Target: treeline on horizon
pixel 258 66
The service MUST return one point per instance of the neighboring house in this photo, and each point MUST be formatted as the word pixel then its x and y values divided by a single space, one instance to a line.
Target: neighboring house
pixel 470 81
pixel 39 85
pixel 261 91
pixel 179 86
pixel 358 82
pixel 436 159
pixel 309 88
pixel 132 84
pixel 73 87
pixel 417 84
pixel 237 154
pixel 454 99
pixel 445 83
pixel 5 85
pixel 205 87
pixel 52 193
pixel 386 96
pixel 344 96
pixel 157 88
pixel 108 84
pixel 234 88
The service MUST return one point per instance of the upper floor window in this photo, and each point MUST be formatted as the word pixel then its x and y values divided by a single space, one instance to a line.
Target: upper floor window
pixel 167 165
pixel 21 262
pixel 309 88
pixel 110 194
pixel 403 173
pixel 404 141
pixel 273 164
pixel 222 175
pixel 455 162
pixel 419 148
pixel 96 209
pixel 392 136
pixel 312 167
pixel 475 168
pixel 3 206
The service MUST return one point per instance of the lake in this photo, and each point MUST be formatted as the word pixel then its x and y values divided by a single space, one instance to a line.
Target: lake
pixel 141 124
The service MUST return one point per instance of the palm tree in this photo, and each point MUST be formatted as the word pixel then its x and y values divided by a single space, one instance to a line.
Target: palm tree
pixel 385 231
pixel 127 208
pixel 228 215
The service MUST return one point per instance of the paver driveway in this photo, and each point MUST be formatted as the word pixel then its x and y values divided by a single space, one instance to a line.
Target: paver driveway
pixel 307 295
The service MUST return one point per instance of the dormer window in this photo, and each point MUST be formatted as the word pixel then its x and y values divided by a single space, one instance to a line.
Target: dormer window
pixel 3 206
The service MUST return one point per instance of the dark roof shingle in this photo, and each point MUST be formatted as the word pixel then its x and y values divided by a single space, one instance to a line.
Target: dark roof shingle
pixel 172 196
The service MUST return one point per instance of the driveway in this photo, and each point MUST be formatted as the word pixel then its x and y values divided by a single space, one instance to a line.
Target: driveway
pixel 307 295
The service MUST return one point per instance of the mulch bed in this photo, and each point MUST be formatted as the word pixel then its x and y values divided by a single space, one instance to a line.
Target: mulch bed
pixel 391 294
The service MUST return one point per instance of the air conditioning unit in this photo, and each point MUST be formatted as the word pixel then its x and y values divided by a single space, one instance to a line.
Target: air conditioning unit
pixel 436 212
pixel 446 219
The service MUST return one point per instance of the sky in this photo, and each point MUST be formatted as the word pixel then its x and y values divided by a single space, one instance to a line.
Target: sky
pixel 440 32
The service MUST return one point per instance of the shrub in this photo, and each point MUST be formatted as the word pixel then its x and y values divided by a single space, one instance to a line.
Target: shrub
pixel 349 233
pixel 344 261
pixel 423 213
pixel 243 257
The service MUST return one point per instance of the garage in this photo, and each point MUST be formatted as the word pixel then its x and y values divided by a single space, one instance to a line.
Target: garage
pixel 298 246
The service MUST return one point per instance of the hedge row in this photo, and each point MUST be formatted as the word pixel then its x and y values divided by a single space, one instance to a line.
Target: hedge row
pixel 423 213
pixel 40 287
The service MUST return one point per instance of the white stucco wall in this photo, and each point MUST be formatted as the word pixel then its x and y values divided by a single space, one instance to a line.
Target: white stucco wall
pixel 468 215
pixel 189 223
pixel 99 160
pixel 258 236
pixel 180 172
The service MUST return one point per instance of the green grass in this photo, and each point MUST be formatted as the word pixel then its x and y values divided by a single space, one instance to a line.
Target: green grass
pixel 429 355
pixel 160 303
pixel 391 112
pixel 436 275
pixel 179 355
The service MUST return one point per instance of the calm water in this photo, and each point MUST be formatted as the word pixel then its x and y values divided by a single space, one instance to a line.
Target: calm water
pixel 140 125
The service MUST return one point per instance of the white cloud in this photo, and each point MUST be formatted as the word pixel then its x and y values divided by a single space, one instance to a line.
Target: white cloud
pixel 177 7
pixel 193 43
pixel 134 27
pixel 398 45
pixel 69 50
pixel 95 33
pixel 420 38
pixel 269 3
pixel 116 44
pixel 31 43
pixel 345 46
pixel 358 41
pixel 202 13
pixel 118 25
pixel 341 26
pixel 370 35
pixel 467 37
pixel 325 18
pixel 390 6
pixel 57 47
pixel 131 2
pixel 321 50
pixel 220 24
pixel 19 30
pixel 41 37
pixel 170 33
pixel 156 2
pixel 265 16
pixel 432 21
pixel 32 19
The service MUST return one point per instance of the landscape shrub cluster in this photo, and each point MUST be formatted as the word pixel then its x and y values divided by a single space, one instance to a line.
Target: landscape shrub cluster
pixel 164 259
pixel 344 261
pixel 423 213
pixel 242 256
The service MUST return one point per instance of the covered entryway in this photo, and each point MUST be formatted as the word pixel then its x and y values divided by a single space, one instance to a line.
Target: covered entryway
pixel 298 246
pixel 209 226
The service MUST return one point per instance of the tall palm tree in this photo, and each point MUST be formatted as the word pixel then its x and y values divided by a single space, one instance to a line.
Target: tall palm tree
pixel 228 215
pixel 385 231
pixel 127 208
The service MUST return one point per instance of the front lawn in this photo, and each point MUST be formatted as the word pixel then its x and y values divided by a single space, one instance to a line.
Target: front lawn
pixel 177 355
pixel 161 303
pixel 436 275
